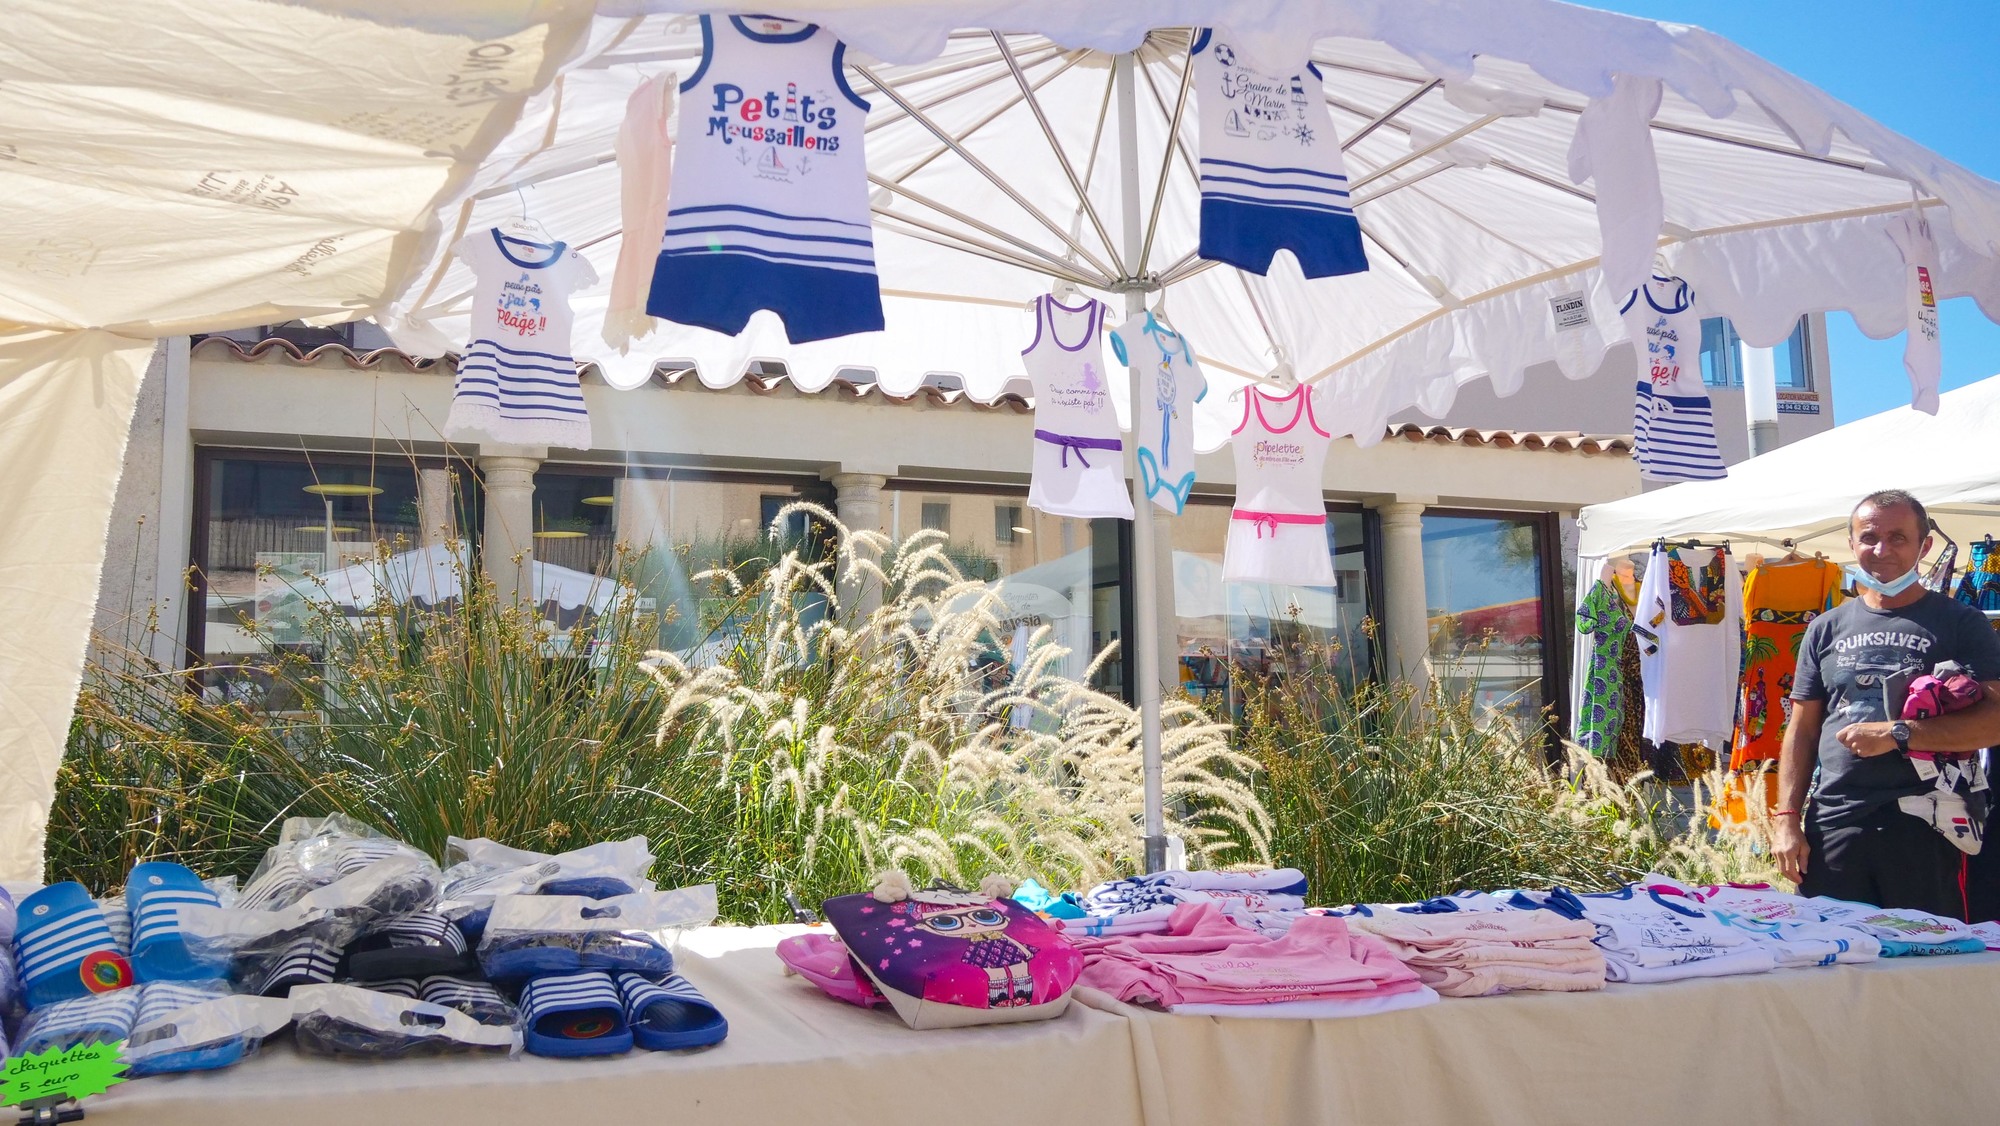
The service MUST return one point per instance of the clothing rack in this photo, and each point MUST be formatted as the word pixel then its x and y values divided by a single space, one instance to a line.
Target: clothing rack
pixel 1663 543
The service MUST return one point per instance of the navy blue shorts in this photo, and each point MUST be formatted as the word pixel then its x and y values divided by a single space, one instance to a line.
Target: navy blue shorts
pixel 1248 236
pixel 719 291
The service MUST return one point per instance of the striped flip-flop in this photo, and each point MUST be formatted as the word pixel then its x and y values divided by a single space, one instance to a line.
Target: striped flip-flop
pixel 65 947
pixel 667 1013
pixel 154 894
pixel 104 1018
pixel 577 1014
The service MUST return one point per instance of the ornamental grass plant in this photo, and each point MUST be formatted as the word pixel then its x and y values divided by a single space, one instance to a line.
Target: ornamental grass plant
pixel 816 741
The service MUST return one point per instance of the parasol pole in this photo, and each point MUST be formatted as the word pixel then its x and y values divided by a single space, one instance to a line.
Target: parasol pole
pixel 1145 576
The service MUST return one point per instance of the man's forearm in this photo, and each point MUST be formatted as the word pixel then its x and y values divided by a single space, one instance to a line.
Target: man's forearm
pixel 1797 756
pixel 1975 728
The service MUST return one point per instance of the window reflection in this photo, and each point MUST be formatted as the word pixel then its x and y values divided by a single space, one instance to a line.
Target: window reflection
pixel 1231 634
pixel 1483 592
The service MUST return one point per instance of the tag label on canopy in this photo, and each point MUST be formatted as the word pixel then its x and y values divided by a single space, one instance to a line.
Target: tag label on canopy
pixel 1571 310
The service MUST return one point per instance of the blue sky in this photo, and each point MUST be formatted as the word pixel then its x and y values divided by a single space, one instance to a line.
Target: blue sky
pixel 1926 71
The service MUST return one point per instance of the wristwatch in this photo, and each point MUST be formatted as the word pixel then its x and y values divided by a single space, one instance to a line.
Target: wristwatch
pixel 1900 732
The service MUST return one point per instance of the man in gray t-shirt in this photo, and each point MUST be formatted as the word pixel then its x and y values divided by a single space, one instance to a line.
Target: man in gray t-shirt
pixel 1855 666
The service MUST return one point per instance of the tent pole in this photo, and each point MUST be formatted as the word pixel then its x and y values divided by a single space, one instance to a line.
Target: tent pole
pixel 1145 579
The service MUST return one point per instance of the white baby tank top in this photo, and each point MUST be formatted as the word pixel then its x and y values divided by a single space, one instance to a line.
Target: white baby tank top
pixel 1079 461
pixel 1277 532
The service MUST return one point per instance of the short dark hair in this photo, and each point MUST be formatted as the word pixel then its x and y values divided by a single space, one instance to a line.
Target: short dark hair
pixel 1893 498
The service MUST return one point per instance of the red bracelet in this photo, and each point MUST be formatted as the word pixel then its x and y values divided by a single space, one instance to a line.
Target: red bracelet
pixel 1784 813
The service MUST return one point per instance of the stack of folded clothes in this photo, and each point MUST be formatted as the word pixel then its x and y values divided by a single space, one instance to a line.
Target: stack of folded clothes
pixel 1264 900
pixel 1204 963
pixel 1649 936
pixel 1474 954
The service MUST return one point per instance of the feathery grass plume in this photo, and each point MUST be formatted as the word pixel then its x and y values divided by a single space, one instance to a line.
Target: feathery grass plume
pixel 807 746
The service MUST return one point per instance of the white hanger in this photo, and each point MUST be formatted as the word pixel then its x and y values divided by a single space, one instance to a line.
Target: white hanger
pixel 523 226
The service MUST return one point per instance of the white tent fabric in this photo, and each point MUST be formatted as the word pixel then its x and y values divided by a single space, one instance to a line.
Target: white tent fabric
pixel 435 574
pixel 177 166
pixel 1804 492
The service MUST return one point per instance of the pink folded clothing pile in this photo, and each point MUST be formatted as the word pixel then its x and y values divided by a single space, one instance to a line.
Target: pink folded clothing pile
pixel 1205 959
pixel 1474 955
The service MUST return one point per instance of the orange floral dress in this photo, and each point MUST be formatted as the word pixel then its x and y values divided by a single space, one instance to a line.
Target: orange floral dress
pixel 1779 600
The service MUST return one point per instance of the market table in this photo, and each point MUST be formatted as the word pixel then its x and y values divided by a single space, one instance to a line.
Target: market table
pixel 1846 1044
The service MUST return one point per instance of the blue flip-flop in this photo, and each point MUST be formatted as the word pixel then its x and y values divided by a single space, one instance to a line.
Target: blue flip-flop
pixel 669 1014
pixel 159 1003
pixel 103 1018
pixel 579 1014
pixel 154 894
pixel 66 948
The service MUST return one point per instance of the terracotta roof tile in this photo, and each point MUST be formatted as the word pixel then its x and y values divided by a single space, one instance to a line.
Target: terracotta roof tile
pixel 1568 441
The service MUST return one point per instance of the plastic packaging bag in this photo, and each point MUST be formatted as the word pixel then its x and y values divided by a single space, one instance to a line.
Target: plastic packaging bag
pixel 336 913
pixel 530 935
pixel 199 1027
pixel 482 870
pixel 346 1020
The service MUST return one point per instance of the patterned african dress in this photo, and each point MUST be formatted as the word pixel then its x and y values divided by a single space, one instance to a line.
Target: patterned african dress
pixel 1605 620
pixel 1779 600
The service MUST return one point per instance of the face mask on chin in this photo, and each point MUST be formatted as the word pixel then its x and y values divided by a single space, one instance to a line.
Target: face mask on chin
pixel 1887 590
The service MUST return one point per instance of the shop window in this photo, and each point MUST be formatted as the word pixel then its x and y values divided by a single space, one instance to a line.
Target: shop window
pixel 1722 356
pixel 575 519
pixel 1008 524
pixel 1485 594
pixel 1047 571
pixel 1229 636
pixel 272 533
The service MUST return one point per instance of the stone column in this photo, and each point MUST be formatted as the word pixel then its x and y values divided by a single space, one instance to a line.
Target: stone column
pixel 437 507
pixel 508 548
pixel 1403 616
pixel 858 503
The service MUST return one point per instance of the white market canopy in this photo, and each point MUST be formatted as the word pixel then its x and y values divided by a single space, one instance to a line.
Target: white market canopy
pixel 1805 491
pixel 435 575
pixel 180 166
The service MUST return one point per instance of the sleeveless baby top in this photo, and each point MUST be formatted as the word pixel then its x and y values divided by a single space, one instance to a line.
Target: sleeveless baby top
pixel 769 204
pixel 1271 172
pixel 1170 384
pixel 1079 465
pixel 1277 533
pixel 1673 423
pixel 517 380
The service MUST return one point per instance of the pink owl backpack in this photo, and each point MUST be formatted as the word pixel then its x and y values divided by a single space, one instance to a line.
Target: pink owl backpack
pixel 945 957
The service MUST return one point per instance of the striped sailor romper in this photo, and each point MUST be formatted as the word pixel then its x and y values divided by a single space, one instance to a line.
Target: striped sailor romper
pixel 769 204
pixel 1272 177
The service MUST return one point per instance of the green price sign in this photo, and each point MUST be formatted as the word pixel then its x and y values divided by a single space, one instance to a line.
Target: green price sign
pixel 68 1073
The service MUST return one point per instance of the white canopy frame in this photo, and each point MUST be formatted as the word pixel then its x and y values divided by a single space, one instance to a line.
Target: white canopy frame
pixel 348 166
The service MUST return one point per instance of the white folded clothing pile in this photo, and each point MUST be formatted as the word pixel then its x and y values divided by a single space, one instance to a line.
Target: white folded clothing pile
pixel 1790 926
pixel 1903 932
pixel 1479 953
pixel 1262 900
pixel 1649 937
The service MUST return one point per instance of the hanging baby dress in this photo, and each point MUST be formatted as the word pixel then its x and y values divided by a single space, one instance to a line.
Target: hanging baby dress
pixel 1170 384
pixel 1079 460
pixel 1673 423
pixel 1277 531
pixel 517 380
pixel 769 204
pixel 1272 177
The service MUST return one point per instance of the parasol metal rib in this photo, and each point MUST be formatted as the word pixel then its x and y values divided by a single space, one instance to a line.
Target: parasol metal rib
pixel 1384 117
pixel 984 228
pixel 1416 154
pixel 1166 158
pixel 1062 158
pixel 998 181
pixel 896 116
pixel 956 240
pixel 990 118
